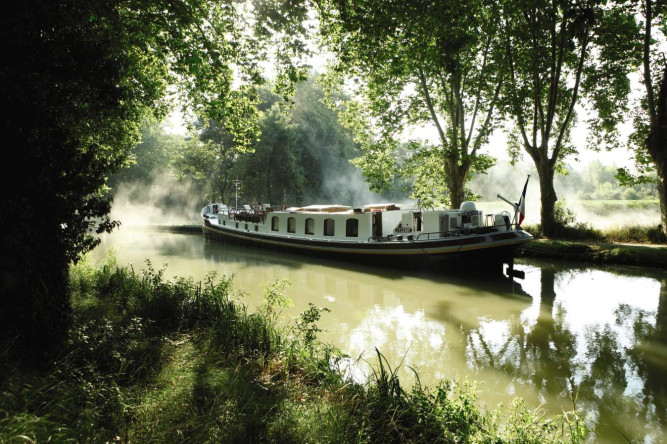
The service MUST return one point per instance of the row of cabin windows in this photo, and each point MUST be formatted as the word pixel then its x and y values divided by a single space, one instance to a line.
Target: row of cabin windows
pixel 351 226
pixel 224 222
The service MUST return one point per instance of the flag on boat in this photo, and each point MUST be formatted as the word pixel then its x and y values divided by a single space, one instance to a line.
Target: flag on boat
pixel 522 202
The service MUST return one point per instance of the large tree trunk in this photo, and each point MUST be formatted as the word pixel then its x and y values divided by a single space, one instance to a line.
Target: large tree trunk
pixel 456 194
pixel 548 196
pixel 656 144
pixel 662 192
pixel 455 179
pixel 661 169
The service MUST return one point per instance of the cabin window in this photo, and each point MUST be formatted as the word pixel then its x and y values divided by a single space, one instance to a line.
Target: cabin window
pixel 256 228
pixel 237 224
pixel 328 227
pixel 310 226
pixel 275 223
pixel 352 228
pixel 224 222
pixel 291 225
pixel 246 226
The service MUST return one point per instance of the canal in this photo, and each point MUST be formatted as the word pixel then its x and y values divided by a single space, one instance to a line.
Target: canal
pixel 567 330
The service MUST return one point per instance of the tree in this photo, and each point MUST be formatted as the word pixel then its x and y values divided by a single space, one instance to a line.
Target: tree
pixel 326 147
pixel 558 51
pixel 418 63
pixel 207 161
pixel 272 171
pixel 151 157
pixel 78 80
pixel 649 140
pixel 302 154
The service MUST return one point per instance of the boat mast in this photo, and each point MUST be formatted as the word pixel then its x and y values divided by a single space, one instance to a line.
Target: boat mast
pixel 237 182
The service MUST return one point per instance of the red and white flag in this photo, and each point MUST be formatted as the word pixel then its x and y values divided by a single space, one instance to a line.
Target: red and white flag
pixel 522 202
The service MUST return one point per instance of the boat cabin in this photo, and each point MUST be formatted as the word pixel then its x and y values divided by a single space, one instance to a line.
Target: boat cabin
pixel 370 223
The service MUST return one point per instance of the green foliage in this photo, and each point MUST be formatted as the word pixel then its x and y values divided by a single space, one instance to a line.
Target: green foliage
pixel 273 172
pixel 563 215
pixel 275 300
pixel 653 235
pixel 606 81
pixel 302 155
pixel 424 164
pixel 450 413
pixel 404 80
pixel 88 74
pixel 558 54
pixel 326 147
pixel 149 158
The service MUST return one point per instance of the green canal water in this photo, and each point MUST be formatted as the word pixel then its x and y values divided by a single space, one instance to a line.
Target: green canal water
pixel 566 328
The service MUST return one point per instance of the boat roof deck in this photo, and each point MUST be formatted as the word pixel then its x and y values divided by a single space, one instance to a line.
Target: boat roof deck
pixel 342 208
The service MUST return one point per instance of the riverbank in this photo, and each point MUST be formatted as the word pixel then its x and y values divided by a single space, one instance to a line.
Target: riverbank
pixel 644 255
pixel 150 360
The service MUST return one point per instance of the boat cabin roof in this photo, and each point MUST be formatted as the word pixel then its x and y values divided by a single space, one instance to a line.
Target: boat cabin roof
pixel 344 208
pixel 382 207
pixel 324 209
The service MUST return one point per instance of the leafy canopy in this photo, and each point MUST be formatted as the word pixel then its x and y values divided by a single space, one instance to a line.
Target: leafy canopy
pixel 417 64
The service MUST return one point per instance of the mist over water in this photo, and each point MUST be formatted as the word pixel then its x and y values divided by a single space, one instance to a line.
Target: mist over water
pixel 165 201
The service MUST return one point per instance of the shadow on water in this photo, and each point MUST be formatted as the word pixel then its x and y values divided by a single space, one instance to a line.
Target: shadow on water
pixel 435 271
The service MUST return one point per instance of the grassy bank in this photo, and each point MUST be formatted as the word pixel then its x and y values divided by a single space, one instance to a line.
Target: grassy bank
pixel 154 361
pixel 638 245
pixel 597 252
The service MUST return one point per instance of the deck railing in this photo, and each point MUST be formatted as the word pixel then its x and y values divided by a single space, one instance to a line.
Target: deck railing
pixel 433 235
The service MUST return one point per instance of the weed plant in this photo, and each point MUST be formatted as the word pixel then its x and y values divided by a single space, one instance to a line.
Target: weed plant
pixel 154 361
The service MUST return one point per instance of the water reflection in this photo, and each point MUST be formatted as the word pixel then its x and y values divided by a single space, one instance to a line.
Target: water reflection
pixel 563 329
pixel 591 335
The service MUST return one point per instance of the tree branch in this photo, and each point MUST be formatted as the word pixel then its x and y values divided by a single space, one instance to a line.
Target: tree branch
pixel 480 81
pixel 517 111
pixel 556 70
pixel 484 129
pixel 650 95
pixel 429 105
pixel 575 93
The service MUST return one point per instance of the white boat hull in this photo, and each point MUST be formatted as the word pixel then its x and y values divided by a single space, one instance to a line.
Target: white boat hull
pixel 478 250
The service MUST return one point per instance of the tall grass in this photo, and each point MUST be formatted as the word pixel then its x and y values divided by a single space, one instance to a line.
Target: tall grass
pixel 450 413
pixel 148 360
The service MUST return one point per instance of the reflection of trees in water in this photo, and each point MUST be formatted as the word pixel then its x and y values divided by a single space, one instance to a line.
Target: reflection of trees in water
pixel 649 355
pixel 619 368
pixel 539 355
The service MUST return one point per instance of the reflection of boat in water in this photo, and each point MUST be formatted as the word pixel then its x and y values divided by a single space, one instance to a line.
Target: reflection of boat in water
pixel 381 233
